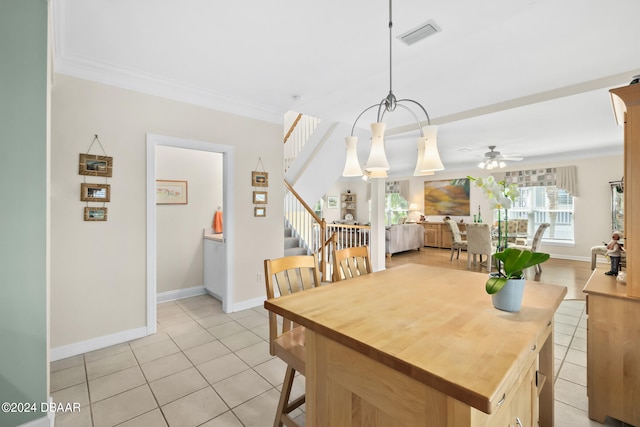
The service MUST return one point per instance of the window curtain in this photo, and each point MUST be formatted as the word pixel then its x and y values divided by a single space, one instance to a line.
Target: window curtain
pixel 564 178
pixel 399 187
pixel 567 179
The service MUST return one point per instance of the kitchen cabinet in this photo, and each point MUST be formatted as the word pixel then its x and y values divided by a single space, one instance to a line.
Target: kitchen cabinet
pixel 437 234
pixel 215 265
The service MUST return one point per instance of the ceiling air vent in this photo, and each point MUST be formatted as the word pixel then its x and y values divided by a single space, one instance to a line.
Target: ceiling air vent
pixel 422 31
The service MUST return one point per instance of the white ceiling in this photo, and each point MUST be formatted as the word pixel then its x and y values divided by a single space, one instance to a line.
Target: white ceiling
pixel 529 76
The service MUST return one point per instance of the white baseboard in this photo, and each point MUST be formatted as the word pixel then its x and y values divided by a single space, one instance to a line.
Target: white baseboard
pixel 571 257
pixel 69 350
pixel 243 305
pixel 180 294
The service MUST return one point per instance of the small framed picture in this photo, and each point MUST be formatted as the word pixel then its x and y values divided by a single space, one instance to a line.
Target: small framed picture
pixel 94 165
pixel 332 202
pixel 260 197
pixel 170 192
pixel 95 214
pixel 259 179
pixel 95 192
pixel 260 211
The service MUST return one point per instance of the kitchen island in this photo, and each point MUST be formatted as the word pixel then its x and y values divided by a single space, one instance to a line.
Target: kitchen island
pixel 423 346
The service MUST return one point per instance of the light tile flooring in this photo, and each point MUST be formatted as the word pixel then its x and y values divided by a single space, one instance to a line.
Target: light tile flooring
pixel 206 368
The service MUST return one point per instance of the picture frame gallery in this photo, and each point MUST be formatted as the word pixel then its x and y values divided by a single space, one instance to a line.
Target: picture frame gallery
pixel 98 166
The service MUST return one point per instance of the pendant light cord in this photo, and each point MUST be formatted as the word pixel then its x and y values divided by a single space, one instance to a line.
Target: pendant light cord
pixel 390 51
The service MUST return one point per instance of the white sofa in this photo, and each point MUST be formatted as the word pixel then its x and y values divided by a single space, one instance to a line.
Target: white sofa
pixel 403 237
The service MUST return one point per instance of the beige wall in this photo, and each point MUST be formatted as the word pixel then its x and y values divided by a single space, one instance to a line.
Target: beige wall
pixel 179 228
pixel 98 269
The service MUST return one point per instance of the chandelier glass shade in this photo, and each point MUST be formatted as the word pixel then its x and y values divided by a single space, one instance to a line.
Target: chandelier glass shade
pixel 352 165
pixel 428 159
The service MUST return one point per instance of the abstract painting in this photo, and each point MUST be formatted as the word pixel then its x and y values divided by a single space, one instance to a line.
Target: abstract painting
pixel 447 197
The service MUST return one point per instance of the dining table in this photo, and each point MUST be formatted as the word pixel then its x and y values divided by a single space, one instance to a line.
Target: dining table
pixel 417 345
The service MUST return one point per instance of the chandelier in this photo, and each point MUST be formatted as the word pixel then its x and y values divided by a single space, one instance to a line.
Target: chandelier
pixel 428 159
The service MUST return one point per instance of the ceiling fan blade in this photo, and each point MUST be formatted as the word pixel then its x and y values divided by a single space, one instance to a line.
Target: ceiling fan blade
pixel 512 158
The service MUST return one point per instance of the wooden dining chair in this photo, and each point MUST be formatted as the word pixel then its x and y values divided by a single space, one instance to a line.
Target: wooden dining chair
pixel 284 276
pixel 350 262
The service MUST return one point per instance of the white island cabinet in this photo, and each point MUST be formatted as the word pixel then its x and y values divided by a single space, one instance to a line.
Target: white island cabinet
pixel 215 274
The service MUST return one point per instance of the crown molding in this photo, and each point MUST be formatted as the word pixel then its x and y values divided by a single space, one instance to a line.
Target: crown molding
pixel 88 69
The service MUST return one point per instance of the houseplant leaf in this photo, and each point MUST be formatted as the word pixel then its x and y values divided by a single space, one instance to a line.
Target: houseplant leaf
pixel 495 284
pixel 515 261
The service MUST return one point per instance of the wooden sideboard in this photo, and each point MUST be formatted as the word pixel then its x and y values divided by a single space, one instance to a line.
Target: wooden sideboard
pixel 416 345
pixel 613 331
pixel 437 234
pixel 613 356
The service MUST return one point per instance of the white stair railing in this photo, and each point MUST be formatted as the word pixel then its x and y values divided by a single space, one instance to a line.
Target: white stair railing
pixel 308 227
pixel 297 137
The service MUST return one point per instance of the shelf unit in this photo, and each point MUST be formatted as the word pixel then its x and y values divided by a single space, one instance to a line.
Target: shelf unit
pixel 349 206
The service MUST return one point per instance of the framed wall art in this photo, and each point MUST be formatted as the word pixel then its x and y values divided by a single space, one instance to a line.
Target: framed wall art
pixel 260 197
pixel 169 192
pixel 447 197
pixel 95 192
pixel 94 165
pixel 260 211
pixel 95 214
pixel 332 202
pixel 259 179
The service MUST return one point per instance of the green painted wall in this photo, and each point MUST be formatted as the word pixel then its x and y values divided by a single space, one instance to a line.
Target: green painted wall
pixel 23 196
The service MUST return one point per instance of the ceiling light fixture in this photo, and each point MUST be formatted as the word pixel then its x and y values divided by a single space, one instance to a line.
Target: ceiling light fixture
pixel 428 158
pixel 495 160
pixel 491 164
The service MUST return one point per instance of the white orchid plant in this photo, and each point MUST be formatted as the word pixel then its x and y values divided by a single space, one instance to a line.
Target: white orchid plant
pixel 501 196
pixel 511 261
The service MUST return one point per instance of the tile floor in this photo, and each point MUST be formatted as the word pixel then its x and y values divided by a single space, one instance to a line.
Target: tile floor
pixel 210 369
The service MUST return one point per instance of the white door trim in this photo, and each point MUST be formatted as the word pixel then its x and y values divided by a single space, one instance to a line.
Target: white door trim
pixel 227 151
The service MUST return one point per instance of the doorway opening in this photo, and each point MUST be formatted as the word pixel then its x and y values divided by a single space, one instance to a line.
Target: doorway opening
pixel 153 142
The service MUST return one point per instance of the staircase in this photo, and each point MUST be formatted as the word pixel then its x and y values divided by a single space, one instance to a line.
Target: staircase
pixel 292 244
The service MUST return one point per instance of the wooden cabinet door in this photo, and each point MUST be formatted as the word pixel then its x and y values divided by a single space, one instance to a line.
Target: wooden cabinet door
pixel 445 238
pixel 521 407
pixel 431 235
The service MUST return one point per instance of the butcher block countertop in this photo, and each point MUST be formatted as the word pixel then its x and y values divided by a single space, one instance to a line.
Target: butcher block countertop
pixel 437 326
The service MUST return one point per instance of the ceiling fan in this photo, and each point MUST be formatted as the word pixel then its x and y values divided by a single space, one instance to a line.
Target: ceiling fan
pixel 494 159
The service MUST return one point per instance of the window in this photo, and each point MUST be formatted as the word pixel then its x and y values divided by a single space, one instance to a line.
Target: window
pixel 317 208
pixel 546 204
pixel 396 207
